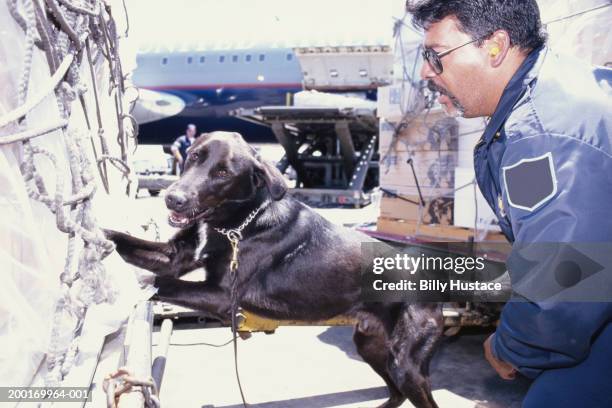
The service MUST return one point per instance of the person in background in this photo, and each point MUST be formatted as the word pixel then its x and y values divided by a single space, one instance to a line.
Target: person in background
pixel 181 144
pixel 544 165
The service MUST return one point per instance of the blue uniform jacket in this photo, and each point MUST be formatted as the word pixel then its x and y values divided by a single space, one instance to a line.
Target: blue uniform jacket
pixel 182 143
pixel 544 165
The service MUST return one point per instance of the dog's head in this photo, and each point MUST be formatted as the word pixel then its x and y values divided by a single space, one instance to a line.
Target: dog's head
pixel 222 175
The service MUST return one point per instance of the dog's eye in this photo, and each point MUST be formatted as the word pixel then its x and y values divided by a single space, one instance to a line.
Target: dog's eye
pixel 194 156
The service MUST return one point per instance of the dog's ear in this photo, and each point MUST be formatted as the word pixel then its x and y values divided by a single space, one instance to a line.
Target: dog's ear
pixel 267 174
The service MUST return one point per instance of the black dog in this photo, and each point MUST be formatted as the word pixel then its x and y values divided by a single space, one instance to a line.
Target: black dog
pixel 292 263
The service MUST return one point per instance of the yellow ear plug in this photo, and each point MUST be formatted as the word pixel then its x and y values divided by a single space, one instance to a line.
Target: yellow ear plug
pixel 494 51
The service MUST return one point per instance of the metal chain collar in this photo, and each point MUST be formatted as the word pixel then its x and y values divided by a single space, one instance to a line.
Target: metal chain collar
pixel 234 235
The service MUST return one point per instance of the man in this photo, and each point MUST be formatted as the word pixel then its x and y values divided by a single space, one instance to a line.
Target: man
pixel 544 164
pixel 181 144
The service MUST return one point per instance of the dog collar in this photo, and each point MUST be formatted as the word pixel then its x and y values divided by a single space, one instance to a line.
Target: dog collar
pixel 234 235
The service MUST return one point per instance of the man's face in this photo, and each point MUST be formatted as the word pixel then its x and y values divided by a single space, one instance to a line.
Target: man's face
pixel 464 70
pixel 191 131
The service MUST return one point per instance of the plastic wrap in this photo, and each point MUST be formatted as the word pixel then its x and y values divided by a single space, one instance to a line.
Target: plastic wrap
pixel 32 249
pixel 587 36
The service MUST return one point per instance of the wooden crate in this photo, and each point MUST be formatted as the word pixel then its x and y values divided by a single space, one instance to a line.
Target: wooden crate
pixel 431 232
pixel 437 211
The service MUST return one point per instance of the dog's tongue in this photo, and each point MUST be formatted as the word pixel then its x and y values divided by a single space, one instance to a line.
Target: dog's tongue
pixel 177 219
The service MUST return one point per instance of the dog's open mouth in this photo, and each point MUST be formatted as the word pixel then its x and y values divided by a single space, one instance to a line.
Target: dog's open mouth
pixel 183 219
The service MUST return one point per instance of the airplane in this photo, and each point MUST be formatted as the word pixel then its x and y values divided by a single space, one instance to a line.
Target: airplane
pixel 203 87
pixel 198 66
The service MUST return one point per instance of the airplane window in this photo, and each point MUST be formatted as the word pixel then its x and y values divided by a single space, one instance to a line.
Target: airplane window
pixel 202 60
pixel 164 61
pixel 262 57
pixel 289 57
pixel 221 58
pixel 189 60
pixel 235 58
pixel 247 58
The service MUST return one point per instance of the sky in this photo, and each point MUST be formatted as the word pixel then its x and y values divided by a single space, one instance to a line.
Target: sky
pixel 187 25
pixel 206 24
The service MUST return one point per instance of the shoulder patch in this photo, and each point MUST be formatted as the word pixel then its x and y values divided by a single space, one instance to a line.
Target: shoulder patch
pixel 530 182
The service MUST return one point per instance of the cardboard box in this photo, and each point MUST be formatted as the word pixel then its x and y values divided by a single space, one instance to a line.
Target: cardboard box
pixel 435 173
pixel 428 193
pixel 437 211
pixel 429 131
pixel 465 203
pixel 470 132
pixel 394 100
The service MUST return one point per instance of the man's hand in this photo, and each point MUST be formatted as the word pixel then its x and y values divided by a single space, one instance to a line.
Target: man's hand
pixel 176 154
pixel 178 157
pixel 505 370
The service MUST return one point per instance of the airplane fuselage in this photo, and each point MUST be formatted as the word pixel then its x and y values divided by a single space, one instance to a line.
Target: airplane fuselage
pixel 212 83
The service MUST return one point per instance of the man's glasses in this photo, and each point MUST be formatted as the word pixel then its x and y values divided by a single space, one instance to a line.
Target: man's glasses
pixel 433 58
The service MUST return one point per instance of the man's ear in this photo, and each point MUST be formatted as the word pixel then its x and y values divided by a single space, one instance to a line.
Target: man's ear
pixel 498 46
pixel 268 175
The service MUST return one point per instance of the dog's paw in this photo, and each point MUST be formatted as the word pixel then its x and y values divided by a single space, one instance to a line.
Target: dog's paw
pixel 109 234
pixel 146 278
pixel 166 285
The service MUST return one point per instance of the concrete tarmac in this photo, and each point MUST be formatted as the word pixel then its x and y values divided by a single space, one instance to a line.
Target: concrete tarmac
pixel 317 367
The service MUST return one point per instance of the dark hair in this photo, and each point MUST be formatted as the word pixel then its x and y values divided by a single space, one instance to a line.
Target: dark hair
pixel 481 18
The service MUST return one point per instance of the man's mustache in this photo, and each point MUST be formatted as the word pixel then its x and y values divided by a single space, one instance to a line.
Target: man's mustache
pixel 438 89
pixel 431 85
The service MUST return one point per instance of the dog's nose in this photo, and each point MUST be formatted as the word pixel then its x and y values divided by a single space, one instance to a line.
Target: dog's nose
pixel 176 200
